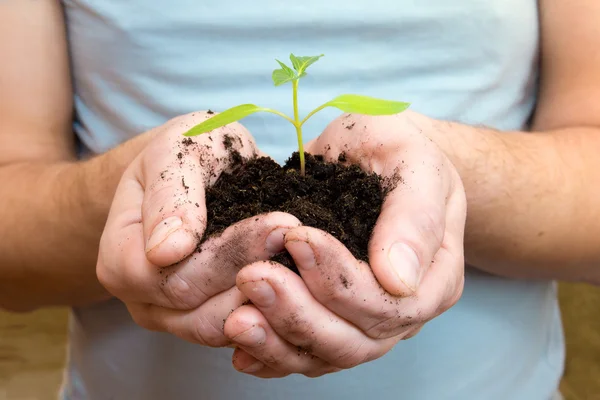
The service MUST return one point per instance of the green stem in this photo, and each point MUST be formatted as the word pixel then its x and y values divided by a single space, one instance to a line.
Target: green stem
pixel 313 112
pixel 278 113
pixel 298 126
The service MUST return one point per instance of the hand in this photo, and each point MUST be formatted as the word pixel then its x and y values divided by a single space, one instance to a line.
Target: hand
pixel 344 312
pixel 148 256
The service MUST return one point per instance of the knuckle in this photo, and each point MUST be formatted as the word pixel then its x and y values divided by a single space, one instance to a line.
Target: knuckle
pixel 181 292
pixel 429 223
pixel 317 372
pixel 161 192
pixel 413 332
pixel 328 370
pixel 145 320
pixel 334 291
pixel 398 323
pixel 273 360
pixel 235 246
pixel 234 255
pixel 455 293
pixel 296 333
pixel 353 354
pixel 295 329
pixel 314 374
pixel 430 309
pixel 386 328
pixel 205 332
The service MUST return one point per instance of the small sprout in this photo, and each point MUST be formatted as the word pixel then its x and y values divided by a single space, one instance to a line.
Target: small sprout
pixel 348 103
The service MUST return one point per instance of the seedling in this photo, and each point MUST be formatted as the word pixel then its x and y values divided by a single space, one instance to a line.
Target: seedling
pixel 348 103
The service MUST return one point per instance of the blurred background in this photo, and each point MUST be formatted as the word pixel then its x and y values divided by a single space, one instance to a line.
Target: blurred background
pixel 32 349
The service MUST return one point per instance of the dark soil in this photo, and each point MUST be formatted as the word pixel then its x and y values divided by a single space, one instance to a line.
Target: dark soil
pixel 342 200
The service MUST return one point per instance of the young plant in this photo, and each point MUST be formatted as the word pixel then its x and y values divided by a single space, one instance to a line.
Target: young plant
pixel 348 103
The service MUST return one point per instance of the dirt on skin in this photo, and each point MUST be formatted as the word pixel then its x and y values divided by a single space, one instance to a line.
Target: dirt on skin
pixel 340 199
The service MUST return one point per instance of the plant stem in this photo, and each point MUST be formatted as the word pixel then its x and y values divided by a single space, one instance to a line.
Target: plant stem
pixel 269 110
pixel 313 112
pixel 298 126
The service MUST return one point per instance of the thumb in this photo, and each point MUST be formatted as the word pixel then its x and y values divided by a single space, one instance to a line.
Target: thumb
pixel 410 228
pixel 403 245
pixel 175 173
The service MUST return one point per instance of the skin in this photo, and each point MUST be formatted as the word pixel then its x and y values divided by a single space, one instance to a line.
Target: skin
pixel 340 323
pixel 514 182
pixel 148 255
pixel 416 266
pixel 57 206
pixel 514 227
pixel 533 198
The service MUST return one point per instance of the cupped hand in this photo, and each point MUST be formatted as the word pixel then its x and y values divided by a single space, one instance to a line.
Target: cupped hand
pixel 149 256
pixel 343 312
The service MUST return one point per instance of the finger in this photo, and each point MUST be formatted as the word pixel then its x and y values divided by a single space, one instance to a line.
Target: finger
pixel 439 290
pixel 447 269
pixel 297 317
pixel 416 181
pixel 344 285
pixel 349 289
pixel 443 284
pixel 203 325
pixel 174 174
pixel 244 362
pixel 248 329
pixel 408 233
pixel 128 275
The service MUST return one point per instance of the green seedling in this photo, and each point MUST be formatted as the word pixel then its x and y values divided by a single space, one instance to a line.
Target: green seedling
pixel 348 103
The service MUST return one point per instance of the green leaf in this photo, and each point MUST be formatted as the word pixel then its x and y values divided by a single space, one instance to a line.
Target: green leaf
pixel 358 104
pixel 300 64
pixel 226 117
pixel 283 75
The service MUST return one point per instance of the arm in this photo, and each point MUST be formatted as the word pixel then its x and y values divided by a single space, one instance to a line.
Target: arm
pixel 52 207
pixel 534 199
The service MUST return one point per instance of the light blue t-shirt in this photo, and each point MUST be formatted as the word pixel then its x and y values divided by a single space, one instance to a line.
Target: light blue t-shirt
pixel 137 63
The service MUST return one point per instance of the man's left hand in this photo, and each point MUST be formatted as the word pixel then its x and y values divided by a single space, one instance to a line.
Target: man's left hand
pixel 343 312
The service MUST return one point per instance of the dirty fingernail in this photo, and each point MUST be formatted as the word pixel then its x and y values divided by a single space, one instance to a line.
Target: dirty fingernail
pixel 162 231
pixel 253 337
pixel 405 263
pixel 275 241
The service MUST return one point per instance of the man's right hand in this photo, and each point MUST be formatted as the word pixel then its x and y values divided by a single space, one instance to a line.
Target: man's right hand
pixel 148 254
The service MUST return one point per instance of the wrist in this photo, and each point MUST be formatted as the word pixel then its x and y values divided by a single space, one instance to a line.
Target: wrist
pixel 482 156
pixel 501 172
pixel 100 176
pixel 463 145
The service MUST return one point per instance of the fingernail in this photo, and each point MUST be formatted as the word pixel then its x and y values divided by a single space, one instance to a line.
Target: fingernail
pixel 162 231
pixel 405 263
pixel 275 243
pixel 253 337
pixel 302 253
pixel 261 293
pixel 257 366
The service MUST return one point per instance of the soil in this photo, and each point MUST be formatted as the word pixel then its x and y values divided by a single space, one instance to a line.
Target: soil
pixel 340 199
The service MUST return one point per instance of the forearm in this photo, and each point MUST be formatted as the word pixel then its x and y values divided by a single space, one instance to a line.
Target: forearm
pixel 54 214
pixel 533 200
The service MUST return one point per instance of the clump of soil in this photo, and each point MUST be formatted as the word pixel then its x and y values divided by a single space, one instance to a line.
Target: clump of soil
pixel 342 200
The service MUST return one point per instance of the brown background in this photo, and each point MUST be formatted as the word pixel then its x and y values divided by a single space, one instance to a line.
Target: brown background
pixel 32 349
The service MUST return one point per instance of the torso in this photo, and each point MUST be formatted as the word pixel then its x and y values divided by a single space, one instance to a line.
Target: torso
pixel 137 64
